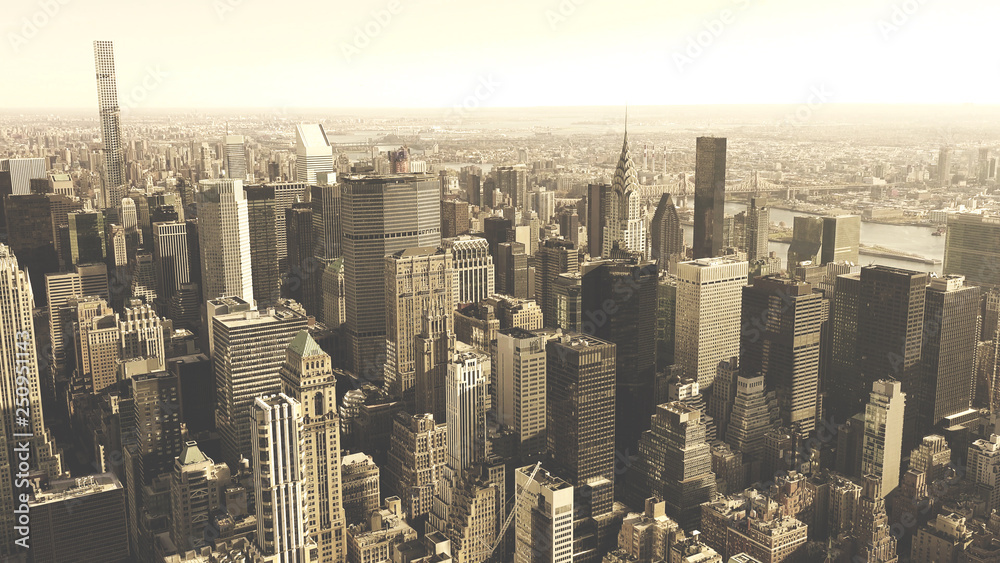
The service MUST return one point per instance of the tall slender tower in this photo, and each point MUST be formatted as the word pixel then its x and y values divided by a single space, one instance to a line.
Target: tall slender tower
pixel 890 334
pixel 758 228
pixel 313 152
pixel 224 233
pixel 467 400
pixel 882 450
pixel 235 157
pixel 307 376
pixel 780 339
pixel 707 323
pixel 418 282
pixel 581 428
pixel 519 381
pixel 170 251
pixel 665 234
pixel 709 196
pixel 279 479
pixel 623 224
pixel 948 352
pixel 107 106
pixel 19 370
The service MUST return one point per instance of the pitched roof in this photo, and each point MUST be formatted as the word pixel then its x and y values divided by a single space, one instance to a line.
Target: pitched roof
pixel 303 345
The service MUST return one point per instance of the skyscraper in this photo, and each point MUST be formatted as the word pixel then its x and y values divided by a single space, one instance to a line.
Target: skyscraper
pixel 620 300
pixel 597 198
pixel 87 239
pixel 707 327
pixel 581 424
pixel 22 171
pixel 454 218
pixel 554 257
pixel 18 357
pixel 313 153
pixel 307 376
pixel 750 419
pixel 234 157
pixel 623 222
pixel 326 213
pixel 467 399
pixel 944 167
pixel 709 196
pixel 224 233
pixel 302 278
pixel 32 234
pixel 279 479
pixel 782 320
pixel 948 352
pixel 543 525
pixel 473 266
pixel 512 181
pixel 972 248
pixel 416 460
pixel 841 239
pixel 512 270
pixel 197 489
pixel 60 288
pixel 675 464
pixel 418 283
pixel 843 385
pixel 807 241
pixel 111 139
pixel 261 227
pixel 883 444
pixel 248 351
pixel 152 441
pixel 519 381
pixel 666 238
pixel 890 332
pixel 170 255
pixel 758 228
pixel 984 470
pixel 80 519
pixel 381 215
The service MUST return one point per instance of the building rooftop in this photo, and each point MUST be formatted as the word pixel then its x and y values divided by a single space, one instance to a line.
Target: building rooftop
pixel 304 346
pixel 191 454
pixel 66 489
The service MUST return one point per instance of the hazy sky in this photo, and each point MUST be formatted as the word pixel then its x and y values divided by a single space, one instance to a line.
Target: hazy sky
pixel 442 53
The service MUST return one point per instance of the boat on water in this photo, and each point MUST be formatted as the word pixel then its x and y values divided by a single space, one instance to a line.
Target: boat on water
pixel 939 233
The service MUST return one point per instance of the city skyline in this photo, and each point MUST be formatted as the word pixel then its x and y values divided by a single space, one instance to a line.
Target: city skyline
pixel 476 333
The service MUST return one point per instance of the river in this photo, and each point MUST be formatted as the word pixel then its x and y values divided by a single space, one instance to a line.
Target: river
pixel 905 238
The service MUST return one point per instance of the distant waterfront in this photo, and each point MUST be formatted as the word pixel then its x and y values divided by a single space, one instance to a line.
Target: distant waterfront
pixel 905 238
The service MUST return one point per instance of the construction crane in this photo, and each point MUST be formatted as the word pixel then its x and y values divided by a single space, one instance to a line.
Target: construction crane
pixel 518 496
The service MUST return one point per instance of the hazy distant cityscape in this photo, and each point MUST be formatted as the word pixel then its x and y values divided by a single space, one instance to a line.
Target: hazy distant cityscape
pixel 706 332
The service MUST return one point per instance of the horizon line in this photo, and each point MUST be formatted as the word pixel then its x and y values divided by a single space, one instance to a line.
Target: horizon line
pixel 493 108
